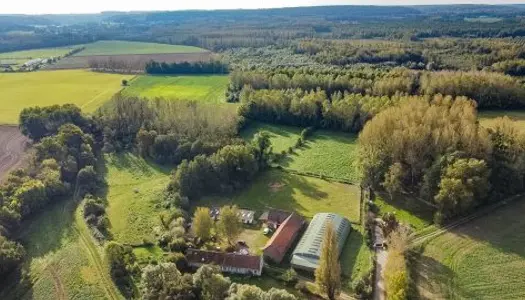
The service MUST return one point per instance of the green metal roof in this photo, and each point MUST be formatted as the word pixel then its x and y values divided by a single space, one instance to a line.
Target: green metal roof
pixel 308 251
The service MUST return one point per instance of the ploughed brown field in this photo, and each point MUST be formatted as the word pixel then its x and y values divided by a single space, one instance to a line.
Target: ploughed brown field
pixel 12 147
pixel 137 61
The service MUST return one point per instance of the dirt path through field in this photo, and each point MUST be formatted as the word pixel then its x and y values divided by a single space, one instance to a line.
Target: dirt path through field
pixel 94 256
pixel 12 148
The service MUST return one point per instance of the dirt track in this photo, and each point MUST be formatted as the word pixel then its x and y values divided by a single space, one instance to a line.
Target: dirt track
pixel 12 147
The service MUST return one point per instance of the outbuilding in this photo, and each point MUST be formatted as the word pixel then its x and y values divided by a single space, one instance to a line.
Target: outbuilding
pixel 308 252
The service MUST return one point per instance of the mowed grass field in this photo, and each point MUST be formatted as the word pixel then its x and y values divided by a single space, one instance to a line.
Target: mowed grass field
pixel 484 259
pixel 125 47
pixel 487 118
pixel 282 137
pixel 331 154
pixel 135 186
pixel 305 195
pixel 209 89
pixel 88 90
pixel 57 263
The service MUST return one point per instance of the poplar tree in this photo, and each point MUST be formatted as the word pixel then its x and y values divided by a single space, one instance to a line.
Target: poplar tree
pixel 202 223
pixel 328 274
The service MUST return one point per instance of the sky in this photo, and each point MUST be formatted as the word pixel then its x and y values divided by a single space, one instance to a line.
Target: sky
pixel 95 6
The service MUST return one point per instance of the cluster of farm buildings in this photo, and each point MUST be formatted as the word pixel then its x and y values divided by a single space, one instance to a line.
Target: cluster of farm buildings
pixel 289 228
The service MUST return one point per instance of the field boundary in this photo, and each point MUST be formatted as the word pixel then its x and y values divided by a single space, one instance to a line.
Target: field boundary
pixel 420 239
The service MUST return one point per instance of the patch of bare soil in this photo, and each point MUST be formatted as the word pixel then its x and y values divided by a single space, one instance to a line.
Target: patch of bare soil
pixel 276 186
pixel 13 145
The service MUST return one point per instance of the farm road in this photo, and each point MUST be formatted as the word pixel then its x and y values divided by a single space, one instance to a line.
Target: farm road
pixel 12 146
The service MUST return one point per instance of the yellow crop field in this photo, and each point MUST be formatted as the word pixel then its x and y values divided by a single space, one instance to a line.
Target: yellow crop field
pixel 86 89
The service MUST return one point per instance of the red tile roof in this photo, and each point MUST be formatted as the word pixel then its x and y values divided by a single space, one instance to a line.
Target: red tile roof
pixel 283 238
pixel 224 259
pixel 275 215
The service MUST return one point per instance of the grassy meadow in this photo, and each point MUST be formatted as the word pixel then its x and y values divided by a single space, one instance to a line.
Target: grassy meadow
pixel 135 186
pixel 326 153
pixel 408 210
pixel 305 195
pixel 487 118
pixel 282 137
pixel 356 258
pixel 61 260
pixel 484 259
pixel 210 89
pixel 88 90
pixel 125 47
pixel 20 57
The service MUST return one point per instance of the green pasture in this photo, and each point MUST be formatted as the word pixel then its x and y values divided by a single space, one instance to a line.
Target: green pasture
pixel 36 53
pixel 58 264
pixel 305 195
pixel 326 153
pixel 408 210
pixel 282 137
pixel 483 259
pixel 88 90
pixel 356 258
pixel 210 89
pixel 135 186
pixel 125 47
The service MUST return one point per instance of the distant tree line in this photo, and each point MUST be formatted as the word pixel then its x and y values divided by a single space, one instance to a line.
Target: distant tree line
pixel 63 163
pixel 488 89
pixel 200 67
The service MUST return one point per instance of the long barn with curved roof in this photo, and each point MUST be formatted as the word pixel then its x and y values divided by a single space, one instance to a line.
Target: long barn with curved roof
pixel 307 253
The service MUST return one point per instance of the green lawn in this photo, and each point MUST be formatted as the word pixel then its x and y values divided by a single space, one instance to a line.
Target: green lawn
pixel 282 137
pixel 487 117
pixel 327 153
pixel 484 259
pixel 86 89
pixel 305 195
pixel 407 210
pixel 57 262
pixel 209 89
pixel 135 186
pixel 124 47
pixel 356 258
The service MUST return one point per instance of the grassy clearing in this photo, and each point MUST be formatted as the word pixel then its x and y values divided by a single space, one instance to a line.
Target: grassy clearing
pixel 209 89
pixel 356 258
pixel 331 154
pixel 282 137
pixel 123 47
pixel 135 186
pixel 57 264
pixel 484 259
pixel 86 89
pixel 487 118
pixel 407 210
pixel 305 195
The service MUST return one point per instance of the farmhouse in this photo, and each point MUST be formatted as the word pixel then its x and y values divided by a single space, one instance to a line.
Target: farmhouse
pixel 283 238
pixel 227 262
pixel 274 217
pixel 307 253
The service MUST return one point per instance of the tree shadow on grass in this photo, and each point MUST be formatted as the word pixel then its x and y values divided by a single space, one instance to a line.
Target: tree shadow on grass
pixel 430 279
pixel 274 188
pixel 43 235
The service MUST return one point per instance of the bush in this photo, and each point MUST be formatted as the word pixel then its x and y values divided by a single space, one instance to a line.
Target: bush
pixel 289 277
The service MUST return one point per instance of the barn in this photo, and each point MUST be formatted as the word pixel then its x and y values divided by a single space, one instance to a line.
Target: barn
pixel 307 253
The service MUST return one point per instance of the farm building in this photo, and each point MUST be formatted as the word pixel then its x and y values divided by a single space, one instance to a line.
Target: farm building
pixel 245 216
pixel 274 217
pixel 283 238
pixel 307 253
pixel 228 262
